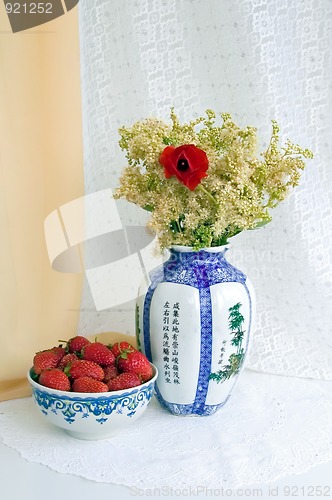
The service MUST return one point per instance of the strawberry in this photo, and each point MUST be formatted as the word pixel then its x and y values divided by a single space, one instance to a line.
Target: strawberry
pixel 84 368
pixel 135 362
pixel 98 353
pixel 88 384
pixel 59 351
pixel 44 360
pixel 68 358
pixel 124 381
pixel 76 344
pixel 55 379
pixel 119 347
pixel 110 372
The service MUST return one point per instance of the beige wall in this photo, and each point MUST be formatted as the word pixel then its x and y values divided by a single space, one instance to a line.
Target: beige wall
pixel 41 168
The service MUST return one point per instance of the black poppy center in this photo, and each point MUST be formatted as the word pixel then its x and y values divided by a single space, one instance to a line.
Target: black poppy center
pixel 182 165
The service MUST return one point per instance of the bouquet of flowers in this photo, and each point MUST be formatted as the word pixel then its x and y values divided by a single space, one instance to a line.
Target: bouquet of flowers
pixel 202 182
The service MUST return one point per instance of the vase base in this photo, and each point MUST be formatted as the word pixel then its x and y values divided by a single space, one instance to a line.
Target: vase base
pixel 190 410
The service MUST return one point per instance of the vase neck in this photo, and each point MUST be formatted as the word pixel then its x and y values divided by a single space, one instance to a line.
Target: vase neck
pixel 187 249
pixel 184 252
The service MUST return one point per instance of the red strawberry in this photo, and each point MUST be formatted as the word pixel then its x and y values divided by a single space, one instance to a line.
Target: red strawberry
pixel 76 344
pixel 135 362
pixel 98 353
pixel 55 379
pixel 84 368
pixel 119 347
pixel 68 358
pixel 59 351
pixel 110 372
pixel 44 360
pixel 124 381
pixel 88 384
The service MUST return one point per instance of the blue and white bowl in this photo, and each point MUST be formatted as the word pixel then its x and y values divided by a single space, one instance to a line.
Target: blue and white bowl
pixel 93 416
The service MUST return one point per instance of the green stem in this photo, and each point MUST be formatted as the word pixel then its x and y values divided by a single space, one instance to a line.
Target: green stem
pixel 208 194
pixel 178 226
pixel 239 347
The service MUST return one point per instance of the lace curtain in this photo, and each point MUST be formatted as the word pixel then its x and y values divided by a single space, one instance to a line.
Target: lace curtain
pixel 258 60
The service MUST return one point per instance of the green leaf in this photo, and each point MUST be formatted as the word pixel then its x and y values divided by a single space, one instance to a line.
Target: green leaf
pixel 260 224
pixel 148 207
pixel 67 369
pixel 34 375
pixel 168 141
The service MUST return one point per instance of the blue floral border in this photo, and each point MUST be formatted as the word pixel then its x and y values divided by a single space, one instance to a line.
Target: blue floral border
pixel 100 408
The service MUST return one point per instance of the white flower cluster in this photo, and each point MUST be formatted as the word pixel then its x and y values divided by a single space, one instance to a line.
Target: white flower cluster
pixel 237 194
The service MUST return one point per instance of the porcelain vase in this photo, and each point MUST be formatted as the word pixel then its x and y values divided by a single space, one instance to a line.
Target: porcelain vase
pixel 194 322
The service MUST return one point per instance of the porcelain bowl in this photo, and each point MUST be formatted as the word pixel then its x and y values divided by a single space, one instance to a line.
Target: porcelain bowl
pixel 93 415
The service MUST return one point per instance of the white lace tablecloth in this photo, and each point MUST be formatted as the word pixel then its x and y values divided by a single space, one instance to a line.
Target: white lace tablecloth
pixel 271 426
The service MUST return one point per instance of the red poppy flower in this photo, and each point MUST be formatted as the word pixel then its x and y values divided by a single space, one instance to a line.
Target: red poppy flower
pixel 188 163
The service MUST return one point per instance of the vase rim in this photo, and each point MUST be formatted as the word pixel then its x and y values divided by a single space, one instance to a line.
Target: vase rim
pixel 184 248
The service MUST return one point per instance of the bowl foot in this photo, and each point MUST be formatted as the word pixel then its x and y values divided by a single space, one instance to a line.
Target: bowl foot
pixel 89 437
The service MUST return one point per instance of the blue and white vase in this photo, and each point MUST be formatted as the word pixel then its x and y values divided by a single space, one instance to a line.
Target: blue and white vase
pixel 194 323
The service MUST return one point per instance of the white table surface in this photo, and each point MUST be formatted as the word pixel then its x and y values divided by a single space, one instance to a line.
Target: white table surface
pixel 24 480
